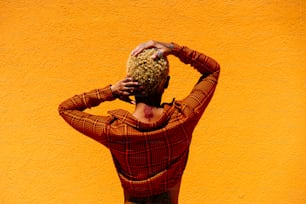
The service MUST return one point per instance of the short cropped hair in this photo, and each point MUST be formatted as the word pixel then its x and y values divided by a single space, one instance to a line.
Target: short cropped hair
pixel 150 73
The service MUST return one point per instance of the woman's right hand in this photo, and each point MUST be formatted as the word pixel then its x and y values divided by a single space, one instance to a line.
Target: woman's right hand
pixel 125 88
pixel 163 49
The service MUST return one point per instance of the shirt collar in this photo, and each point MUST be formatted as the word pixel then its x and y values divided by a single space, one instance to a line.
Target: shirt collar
pixel 127 118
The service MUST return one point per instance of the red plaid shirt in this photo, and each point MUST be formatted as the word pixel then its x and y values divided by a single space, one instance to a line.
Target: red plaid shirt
pixel 149 157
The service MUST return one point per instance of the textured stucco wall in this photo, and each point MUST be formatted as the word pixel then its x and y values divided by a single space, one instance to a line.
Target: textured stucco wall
pixel 250 146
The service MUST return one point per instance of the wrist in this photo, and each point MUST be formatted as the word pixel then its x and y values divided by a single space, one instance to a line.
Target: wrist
pixel 115 94
pixel 175 48
pixel 170 46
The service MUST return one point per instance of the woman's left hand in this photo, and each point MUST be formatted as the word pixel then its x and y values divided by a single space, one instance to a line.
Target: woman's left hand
pixel 163 49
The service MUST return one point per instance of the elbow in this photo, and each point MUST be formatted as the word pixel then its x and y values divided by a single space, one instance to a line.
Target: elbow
pixel 217 72
pixel 217 67
pixel 61 109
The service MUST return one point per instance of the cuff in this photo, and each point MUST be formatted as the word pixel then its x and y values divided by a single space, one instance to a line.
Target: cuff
pixel 106 93
pixel 175 48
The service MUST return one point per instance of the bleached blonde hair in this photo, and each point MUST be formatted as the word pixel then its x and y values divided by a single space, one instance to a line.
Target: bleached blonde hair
pixel 150 73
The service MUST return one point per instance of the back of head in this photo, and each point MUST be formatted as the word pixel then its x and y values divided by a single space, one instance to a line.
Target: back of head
pixel 150 73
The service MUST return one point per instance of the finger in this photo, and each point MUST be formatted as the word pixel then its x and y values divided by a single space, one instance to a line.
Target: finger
pixel 154 56
pixel 157 55
pixel 127 79
pixel 127 99
pixel 128 91
pixel 125 93
pixel 131 84
pixel 132 90
pixel 136 51
pixel 133 102
pixel 143 46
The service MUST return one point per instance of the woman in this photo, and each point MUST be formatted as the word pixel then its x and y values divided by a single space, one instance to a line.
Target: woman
pixel 149 146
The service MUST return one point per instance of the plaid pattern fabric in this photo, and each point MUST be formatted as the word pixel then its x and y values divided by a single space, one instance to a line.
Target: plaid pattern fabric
pixel 149 157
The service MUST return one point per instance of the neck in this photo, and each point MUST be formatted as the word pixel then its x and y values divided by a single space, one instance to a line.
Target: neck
pixel 147 113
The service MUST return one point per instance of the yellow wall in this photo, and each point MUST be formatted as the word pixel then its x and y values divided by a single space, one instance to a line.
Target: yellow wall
pixel 250 146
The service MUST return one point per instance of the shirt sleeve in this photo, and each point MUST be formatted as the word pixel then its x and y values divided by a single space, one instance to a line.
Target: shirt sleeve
pixel 94 126
pixel 202 92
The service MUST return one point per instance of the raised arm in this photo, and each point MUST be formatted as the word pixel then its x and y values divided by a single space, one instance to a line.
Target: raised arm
pixel 94 126
pixel 72 111
pixel 202 92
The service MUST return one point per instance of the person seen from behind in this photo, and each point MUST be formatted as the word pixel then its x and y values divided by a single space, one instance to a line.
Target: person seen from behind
pixel 149 146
